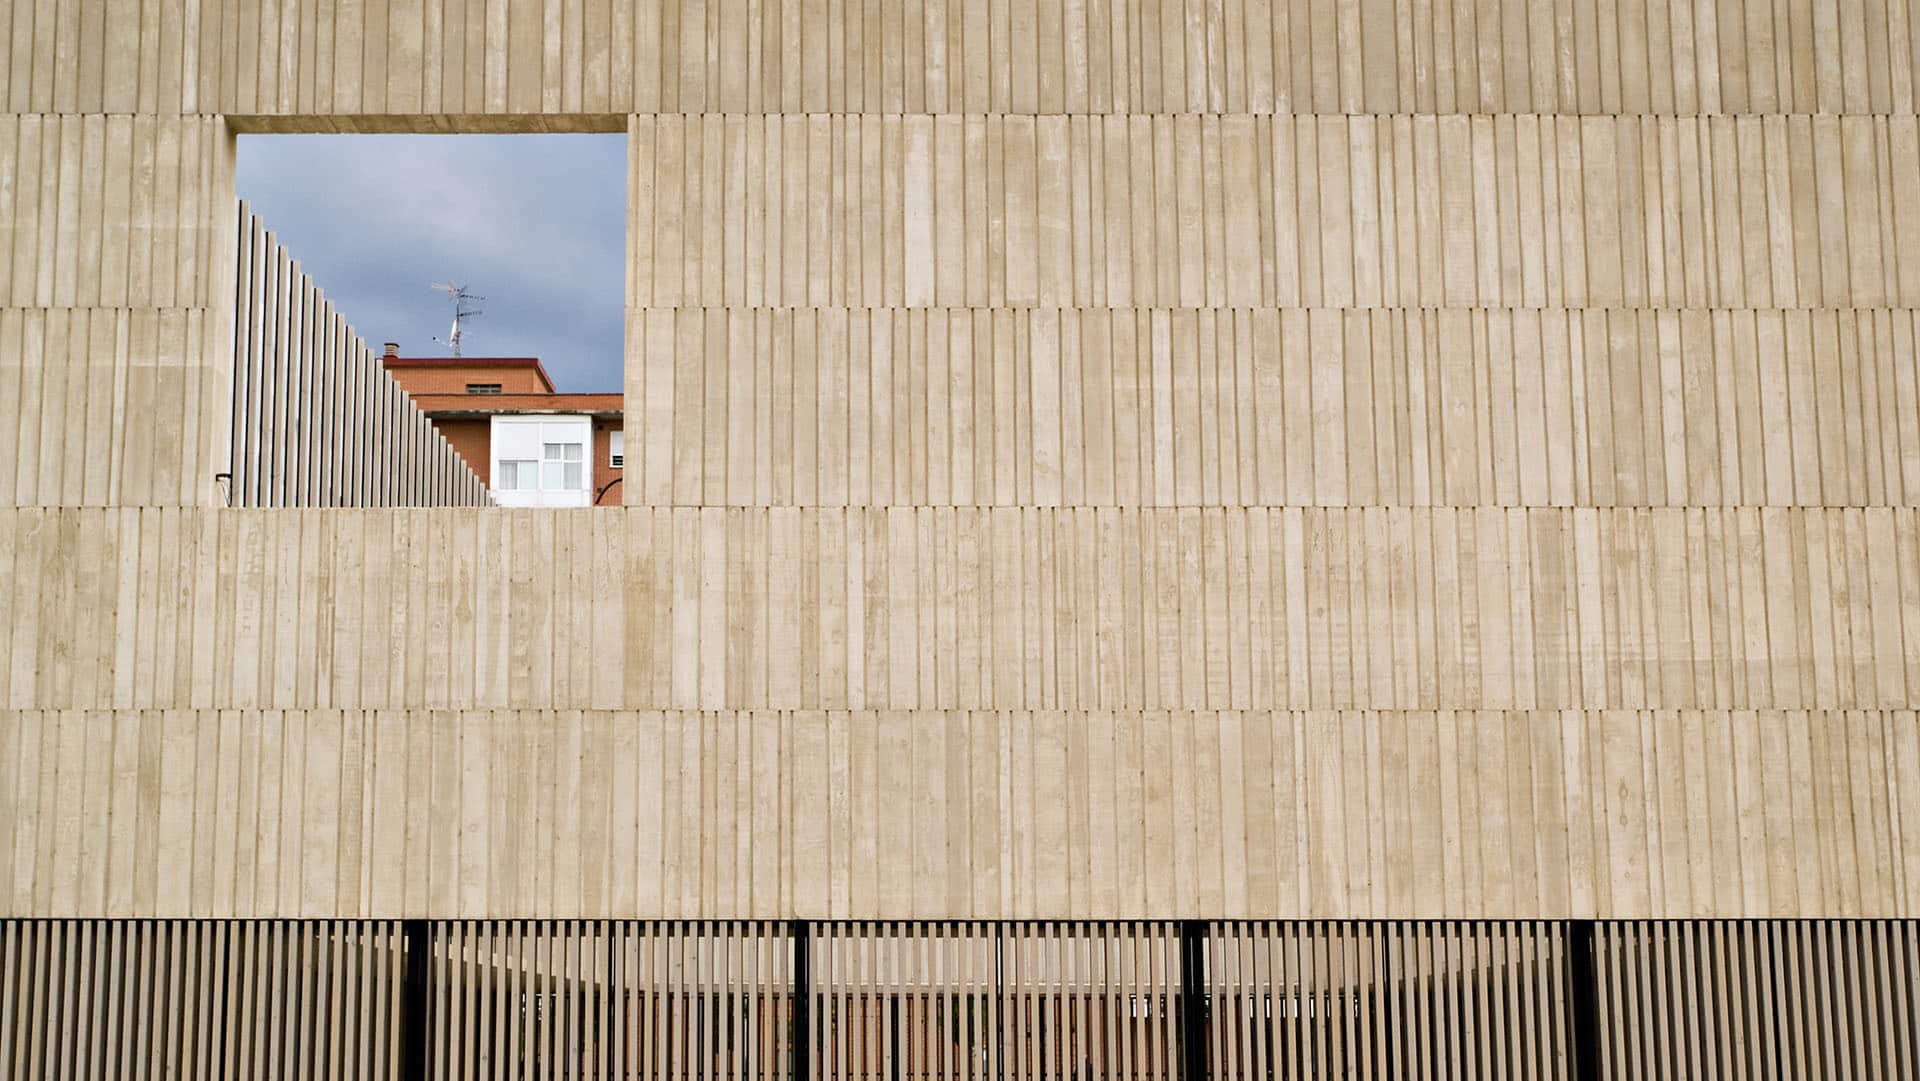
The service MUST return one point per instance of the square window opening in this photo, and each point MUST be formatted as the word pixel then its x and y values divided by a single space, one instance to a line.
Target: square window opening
pixel 448 244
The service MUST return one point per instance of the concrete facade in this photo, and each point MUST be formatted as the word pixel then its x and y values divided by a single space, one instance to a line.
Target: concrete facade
pixel 1097 459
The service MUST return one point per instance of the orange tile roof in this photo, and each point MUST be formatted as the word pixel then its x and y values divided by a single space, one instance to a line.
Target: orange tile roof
pixel 519 403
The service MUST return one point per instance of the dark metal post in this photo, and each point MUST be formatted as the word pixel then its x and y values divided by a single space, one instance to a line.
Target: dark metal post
pixel 613 1000
pixel 1193 1000
pixel 1386 999
pixel 416 984
pixel 997 1010
pixel 1583 1001
pixel 802 1001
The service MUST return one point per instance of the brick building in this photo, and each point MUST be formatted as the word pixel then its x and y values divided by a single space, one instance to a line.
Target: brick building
pixel 527 441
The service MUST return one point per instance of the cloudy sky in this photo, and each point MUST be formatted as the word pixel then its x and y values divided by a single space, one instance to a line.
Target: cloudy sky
pixel 534 223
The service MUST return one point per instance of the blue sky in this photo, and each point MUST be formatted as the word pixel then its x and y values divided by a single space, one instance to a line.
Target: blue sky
pixel 534 223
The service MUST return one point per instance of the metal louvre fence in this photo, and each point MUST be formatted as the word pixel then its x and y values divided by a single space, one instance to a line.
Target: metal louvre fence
pixel 317 422
pixel 1753 999
pixel 916 1001
pixel 189 998
pixel 1376 999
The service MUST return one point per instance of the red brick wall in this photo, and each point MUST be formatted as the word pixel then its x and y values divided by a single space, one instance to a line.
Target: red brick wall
pixel 604 474
pixel 472 437
pixel 453 380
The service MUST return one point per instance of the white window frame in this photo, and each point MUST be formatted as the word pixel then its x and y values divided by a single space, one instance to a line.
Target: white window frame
pixel 554 459
pixel 616 448
pixel 520 467
pixel 554 445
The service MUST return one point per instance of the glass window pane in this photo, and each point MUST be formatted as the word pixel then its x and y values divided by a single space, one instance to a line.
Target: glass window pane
pixel 550 476
pixel 573 476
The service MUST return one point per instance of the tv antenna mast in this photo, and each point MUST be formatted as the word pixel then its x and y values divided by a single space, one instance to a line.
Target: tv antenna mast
pixel 461 299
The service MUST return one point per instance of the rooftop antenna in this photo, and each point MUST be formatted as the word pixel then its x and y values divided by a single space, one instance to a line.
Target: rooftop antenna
pixel 461 298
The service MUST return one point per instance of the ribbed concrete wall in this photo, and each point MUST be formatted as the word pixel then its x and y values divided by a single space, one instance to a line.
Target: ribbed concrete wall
pixel 1519 400
pixel 934 814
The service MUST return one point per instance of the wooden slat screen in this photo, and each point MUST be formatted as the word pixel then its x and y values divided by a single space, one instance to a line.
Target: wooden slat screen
pixel 903 1001
pixel 1090 1000
pixel 915 1001
pixel 1737 999
pixel 1413 999
pixel 317 422
pixel 279 999
pixel 925 1000
pixel 599 998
